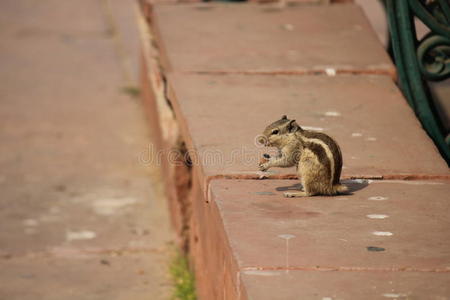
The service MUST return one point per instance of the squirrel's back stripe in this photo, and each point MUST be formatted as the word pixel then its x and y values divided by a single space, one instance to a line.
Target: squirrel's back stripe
pixel 331 149
pixel 322 156
pixel 323 153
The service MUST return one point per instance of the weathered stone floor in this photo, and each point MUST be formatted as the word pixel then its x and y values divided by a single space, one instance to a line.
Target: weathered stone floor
pixel 80 217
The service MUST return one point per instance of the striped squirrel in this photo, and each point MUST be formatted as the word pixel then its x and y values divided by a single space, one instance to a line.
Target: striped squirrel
pixel 316 155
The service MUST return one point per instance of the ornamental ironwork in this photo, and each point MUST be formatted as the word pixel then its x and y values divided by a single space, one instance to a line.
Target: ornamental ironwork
pixel 419 61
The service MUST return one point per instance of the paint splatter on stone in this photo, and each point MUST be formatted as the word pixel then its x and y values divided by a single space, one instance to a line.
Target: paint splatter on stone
pixel 375 249
pixel 382 233
pixel 394 295
pixel 286 236
pixel 377 216
pixel 330 72
pixel 332 114
pixel 378 198
pixel 359 181
pixel 356 134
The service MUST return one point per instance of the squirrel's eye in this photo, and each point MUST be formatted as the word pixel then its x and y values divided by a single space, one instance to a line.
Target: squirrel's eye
pixel 275 131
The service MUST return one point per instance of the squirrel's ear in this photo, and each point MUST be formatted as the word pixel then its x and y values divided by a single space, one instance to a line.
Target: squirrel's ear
pixel 284 117
pixel 293 126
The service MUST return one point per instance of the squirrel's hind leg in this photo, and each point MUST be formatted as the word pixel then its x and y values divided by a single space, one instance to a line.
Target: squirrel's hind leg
pixel 295 194
pixel 303 191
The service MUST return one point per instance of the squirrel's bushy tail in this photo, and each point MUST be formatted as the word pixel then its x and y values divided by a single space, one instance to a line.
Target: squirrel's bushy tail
pixel 340 189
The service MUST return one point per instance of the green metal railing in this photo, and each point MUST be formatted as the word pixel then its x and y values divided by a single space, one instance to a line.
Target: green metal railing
pixel 419 61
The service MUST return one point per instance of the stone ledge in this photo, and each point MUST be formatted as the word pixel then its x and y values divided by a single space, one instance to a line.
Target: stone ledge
pixel 265 39
pixel 282 285
pixel 275 2
pixel 384 231
pixel 220 116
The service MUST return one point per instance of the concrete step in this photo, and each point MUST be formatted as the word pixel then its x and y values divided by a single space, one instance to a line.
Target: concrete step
pixel 251 38
pixel 388 237
pixel 380 137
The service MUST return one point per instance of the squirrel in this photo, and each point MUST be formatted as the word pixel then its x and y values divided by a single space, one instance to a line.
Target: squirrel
pixel 317 156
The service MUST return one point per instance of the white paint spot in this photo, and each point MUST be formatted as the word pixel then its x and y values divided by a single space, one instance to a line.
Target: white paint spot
pixel 30 222
pixel 327 298
pixel 330 71
pixel 332 114
pixel 110 206
pixel 378 198
pixel 353 157
pixel 80 235
pixel 356 134
pixel 376 216
pixel 382 233
pixel 313 128
pixel 261 273
pixel 286 236
pixel 359 180
pixel 371 139
pixel 394 295
pixel 288 27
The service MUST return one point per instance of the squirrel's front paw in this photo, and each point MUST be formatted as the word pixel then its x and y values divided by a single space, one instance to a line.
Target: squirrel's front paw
pixel 264 163
pixel 263 166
